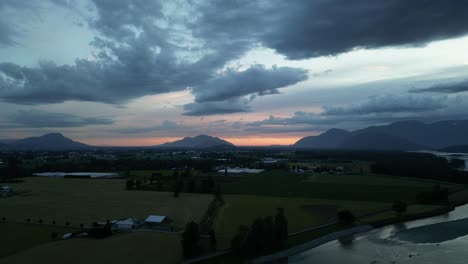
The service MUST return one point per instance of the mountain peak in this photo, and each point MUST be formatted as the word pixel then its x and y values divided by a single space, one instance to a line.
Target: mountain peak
pixel 54 135
pixel 200 141
pixel 50 141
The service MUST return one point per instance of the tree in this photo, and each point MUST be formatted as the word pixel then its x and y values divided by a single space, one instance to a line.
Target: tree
pixel 178 187
pixel 281 229
pixel 191 240
pixel 213 241
pixel 129 184
pixel 238 242
pixel 345 217
pixel 191 185
pixel 211 184
pixel 399 207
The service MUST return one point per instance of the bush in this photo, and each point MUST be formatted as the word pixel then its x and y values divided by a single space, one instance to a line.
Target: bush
pixel 53 235
pixel 345 217
pixel 399 207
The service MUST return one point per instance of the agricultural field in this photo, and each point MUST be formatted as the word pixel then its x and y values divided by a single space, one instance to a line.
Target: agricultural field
pixel 83 201
pixel 373 179
pixel 354 166
pixel 368 187
pixel 301 212
pixel 18 237
pixel 137 247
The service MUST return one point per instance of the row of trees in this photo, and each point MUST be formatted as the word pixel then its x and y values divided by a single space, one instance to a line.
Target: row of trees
pixel 264 236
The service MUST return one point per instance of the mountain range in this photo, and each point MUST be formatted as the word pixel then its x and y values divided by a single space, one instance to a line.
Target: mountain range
pixel 405 135
pixel 198 142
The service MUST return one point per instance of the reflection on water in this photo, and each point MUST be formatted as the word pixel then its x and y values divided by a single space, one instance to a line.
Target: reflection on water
pixel 399 243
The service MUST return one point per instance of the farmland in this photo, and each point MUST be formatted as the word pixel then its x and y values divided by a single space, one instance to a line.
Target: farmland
pixel 83 201
pixel 17 237
pixel 301 212
pixel 136 247
pixel 368 187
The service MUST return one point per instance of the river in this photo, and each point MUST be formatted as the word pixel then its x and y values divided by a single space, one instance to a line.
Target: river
pixel 439 239
pixel 449 156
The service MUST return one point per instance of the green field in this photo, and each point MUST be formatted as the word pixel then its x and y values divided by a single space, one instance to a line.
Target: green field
pixel 372 179
pixel 301 212
pixel 18 237
pixel 369 187
pixel 83 201
pixel 138 247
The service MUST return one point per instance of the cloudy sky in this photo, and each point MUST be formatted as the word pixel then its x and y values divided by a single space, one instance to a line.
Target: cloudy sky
pixel 143 72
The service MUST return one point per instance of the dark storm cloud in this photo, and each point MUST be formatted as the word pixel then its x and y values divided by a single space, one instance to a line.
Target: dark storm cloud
pixel 304 28
pixel 166 125
pixel 389 104
pixel 453 87
pixel 381 109
pixel 143 49
pixel 233 105
pixel 138 54
pixel 42 119
pixel 255 80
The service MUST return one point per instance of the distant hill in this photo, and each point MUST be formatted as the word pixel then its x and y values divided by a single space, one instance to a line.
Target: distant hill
pixel 435 135
pixel 406 135
pixel 376 141
pixel 198 142
pixel 331 139
pixel 52 141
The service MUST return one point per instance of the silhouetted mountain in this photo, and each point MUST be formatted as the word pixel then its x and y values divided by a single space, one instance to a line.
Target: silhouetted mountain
pixel 331 139
pixel 435 135
pixel 377 141
pixel 406 135
pixel 455 149
pixel 198 142
pixel 52 141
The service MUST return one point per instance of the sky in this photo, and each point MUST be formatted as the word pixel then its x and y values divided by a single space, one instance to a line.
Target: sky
pixel 266 72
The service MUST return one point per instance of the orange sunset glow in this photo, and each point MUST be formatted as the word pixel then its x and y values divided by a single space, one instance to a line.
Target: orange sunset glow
pixel 152 141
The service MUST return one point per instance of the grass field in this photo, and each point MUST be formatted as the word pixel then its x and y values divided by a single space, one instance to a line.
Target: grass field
pixel 372 179
pixel 141 248
pixel 87 200
pixel 300 212
pixel 17 237
pixel 336 187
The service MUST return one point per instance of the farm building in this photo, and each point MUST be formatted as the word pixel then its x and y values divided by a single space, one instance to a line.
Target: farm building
pixel 6 191
pixel 239 170
pixel 126 224
pixel 156 220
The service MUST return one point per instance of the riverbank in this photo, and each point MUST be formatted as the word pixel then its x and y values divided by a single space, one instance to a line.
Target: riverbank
pixel 350 232
pixel 311 244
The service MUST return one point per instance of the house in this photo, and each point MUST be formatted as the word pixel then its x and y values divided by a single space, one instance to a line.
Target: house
pixel 126 224
pixel 156 221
